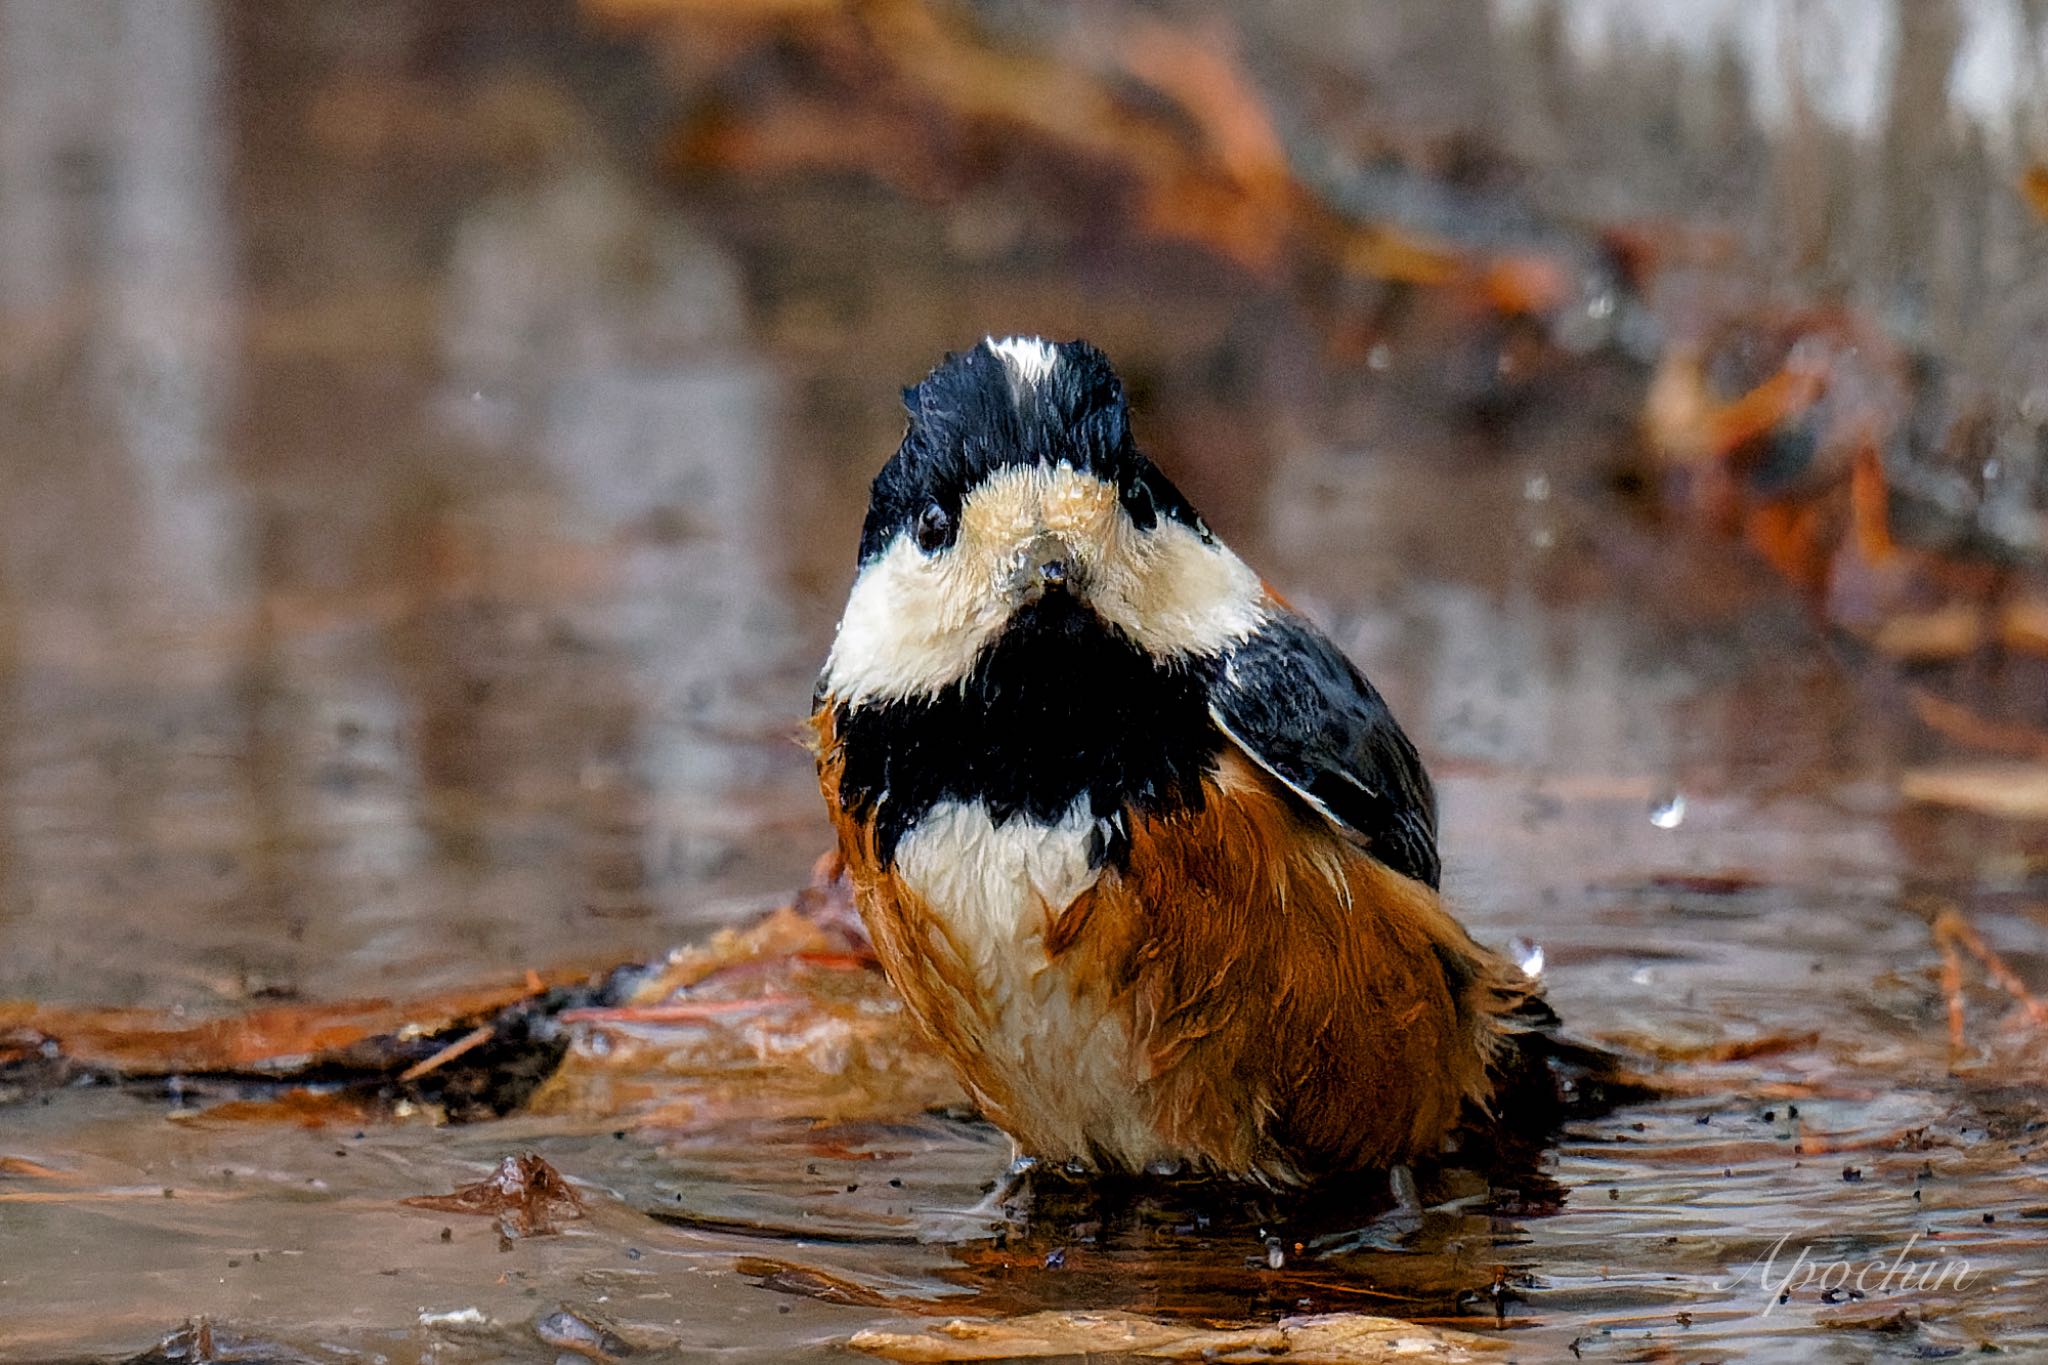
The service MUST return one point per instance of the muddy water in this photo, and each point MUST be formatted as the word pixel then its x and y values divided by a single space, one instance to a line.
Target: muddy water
pixel 420 527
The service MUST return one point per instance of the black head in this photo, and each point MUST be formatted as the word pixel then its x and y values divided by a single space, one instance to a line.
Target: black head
pixel 1019 401
pixel 1017 500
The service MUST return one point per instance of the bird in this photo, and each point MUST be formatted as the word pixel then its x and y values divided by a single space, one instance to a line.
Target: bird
pixel 1146 857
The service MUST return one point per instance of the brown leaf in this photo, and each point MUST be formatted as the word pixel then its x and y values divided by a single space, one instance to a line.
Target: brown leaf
pixel 807 1282
pixel 1716 1050
pixel 273 1038
pixel 299 1105
pixel 1951 631
pixel 525 1195
pixel 782 1034
pixel 2014 791
pixel 2024 625
pixel 810 928
pixel 1730 883
pixel 1965 726
pixel 1333 1339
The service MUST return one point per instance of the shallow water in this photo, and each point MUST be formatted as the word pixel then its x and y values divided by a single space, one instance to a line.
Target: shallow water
pixel 421 526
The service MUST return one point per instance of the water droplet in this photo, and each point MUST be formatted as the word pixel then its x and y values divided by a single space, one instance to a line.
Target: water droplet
pixel 1536 488
pixel 1601 305
pixel 1276 1254
pixel 1528 956
pixel 1379 357
pixel 1668 812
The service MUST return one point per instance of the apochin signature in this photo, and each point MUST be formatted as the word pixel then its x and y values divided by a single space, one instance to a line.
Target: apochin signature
pixel 1848 1278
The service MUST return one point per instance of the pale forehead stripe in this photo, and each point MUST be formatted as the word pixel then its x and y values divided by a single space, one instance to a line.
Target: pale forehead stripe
pixel 1030 360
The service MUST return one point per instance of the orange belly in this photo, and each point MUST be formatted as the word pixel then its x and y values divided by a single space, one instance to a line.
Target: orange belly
pixel 1248 994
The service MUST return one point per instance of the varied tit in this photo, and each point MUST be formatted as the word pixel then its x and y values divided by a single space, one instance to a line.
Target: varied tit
pixel 1147 858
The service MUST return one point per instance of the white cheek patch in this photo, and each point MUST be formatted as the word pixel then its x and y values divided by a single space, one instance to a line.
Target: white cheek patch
pixel 1174 593
pixel 913 624
pixel 917 623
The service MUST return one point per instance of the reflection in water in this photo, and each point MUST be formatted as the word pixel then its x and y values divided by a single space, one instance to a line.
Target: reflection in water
pixel 126 543
pixel 1825 57
pixel 495 657
pixel 606 334
pixel 608 331
pixel 164 352
pixel 1869 149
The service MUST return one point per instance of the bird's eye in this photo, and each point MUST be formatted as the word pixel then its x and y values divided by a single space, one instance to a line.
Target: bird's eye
pixel 933 526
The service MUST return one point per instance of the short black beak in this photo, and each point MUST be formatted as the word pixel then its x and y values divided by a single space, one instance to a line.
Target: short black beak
pixel 1046 565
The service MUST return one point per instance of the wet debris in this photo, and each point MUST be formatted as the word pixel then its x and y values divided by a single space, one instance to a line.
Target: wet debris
pixel 568 1331
pixel 808 1282
pixel 199 1342
pixel 1332 1339
pixel 469 1054
pixel 2009 790
pixel 787 1016
pixel 525 1194
pixel 1954 936
pixel 1735 882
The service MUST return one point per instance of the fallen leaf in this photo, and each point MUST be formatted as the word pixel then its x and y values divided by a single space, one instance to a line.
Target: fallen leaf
pixel 806 1282
pixel 1949 927
pixel 273 1038
pixel 308 1108
pixel 2024 625
pixel 1898 1320
pixel 1730 883
pixel 811 927
pixel 1710 1051
pixel 1965 726
pixel 1332 1339
pixel 789 1017
pixel 2013 791
pixel 1947 632
pixel 525 1195
pixel 199 1342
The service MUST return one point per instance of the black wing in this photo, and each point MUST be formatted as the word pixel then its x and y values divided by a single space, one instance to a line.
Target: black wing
pixel 1290 699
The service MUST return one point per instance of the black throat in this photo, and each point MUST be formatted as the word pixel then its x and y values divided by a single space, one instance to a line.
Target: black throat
pixel 1059 707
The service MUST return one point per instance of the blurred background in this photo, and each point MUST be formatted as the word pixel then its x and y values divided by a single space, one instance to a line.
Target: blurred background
pixel 434 435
